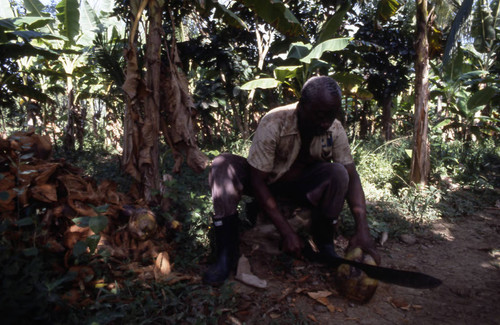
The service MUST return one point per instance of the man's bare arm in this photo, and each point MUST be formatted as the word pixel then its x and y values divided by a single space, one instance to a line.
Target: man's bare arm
pixel 357 204
pixel 291 241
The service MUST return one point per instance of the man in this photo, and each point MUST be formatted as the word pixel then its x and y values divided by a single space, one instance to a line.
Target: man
pixel 300 151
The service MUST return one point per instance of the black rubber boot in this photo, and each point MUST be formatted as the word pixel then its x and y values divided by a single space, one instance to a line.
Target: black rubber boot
pixel 323 232
pixel 227 250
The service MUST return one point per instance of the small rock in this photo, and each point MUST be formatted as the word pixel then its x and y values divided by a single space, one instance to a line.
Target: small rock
pixel 320 309
pixel 408 239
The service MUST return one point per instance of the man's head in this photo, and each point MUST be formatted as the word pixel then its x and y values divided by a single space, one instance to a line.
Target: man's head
pixel 319 104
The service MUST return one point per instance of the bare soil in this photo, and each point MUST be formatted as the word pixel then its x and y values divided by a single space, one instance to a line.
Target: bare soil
pixel 463 253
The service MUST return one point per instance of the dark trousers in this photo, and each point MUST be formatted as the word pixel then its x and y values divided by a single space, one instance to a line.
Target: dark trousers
pixel 322 185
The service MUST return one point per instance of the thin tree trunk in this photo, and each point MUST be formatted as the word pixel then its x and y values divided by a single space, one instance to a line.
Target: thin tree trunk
pixel 363 121
pixel 387 118
pixel 69 130
pixel 149 152
pixel 420 164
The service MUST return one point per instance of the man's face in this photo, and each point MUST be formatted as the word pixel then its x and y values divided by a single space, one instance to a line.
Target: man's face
pixel 317 116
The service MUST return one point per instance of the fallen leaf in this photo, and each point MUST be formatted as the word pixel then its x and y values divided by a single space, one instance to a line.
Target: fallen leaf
pixel 274 315
pixel 311 317
pixel 234 320
pixel 162 266
pixel 303 279
pixel 399 303
pixel 319 294
pixel 321 297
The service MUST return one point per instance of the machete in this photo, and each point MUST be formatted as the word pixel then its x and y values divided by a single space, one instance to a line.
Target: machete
pixel 408 279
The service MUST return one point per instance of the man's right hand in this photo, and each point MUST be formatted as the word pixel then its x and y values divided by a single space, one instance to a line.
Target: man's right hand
pixel 292 244
pixel 291 241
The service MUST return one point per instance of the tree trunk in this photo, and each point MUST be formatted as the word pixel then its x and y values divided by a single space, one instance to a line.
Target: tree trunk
pixel 141 122
pixel 159 101
pixel 149 153
pixel 363 120
pixel 387 118
pixel 69 130
pixel 420 164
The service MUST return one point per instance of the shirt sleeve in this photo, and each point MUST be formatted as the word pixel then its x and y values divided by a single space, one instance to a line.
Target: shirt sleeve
pixel 262 151
pixel 341 151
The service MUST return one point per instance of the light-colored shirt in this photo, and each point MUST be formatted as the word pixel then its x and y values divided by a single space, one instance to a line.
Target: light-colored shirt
pixel 276 143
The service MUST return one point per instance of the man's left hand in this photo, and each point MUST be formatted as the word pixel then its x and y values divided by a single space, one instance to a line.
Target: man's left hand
pixel 366 243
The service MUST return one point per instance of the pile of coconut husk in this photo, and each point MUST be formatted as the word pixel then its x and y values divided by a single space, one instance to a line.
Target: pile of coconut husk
pixel 68 208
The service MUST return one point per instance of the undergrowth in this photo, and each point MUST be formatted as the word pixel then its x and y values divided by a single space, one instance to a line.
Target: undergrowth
pixel 462 181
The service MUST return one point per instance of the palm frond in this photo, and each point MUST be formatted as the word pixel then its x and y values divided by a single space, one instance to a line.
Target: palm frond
pixel 462 16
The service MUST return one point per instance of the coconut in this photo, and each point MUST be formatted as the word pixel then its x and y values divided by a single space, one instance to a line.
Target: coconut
pixel 353 283
pixel 142 224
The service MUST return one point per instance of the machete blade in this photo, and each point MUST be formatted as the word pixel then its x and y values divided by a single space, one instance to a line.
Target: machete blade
pixel 402 278
pixel 408 279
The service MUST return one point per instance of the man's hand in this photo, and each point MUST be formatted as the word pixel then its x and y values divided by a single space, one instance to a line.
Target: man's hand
pixel 292 244
pixel 364 241
pixel 291 241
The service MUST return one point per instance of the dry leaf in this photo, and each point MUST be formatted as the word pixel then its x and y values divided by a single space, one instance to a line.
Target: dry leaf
pixel 234 320
pixel 319 294
pixel 322 298
pixel 399 303
pixel 311 317
pixel 162 266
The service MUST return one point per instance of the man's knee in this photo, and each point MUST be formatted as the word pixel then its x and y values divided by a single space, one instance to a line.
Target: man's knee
pixel 222 166
pixel 338 174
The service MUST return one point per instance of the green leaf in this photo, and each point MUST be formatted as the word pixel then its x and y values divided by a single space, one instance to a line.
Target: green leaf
pixel 68 14
pixel 228 16
pixel 29 91
pixel 6 9
pixel 481 97
pixel 7 24
pixel 387 8
pixel 286 72
pixel 81 221
pixel 31 251
pixel 348 80
pixel 89 23
pixel 264 83
pixel 92 242
pixel 330 28
pixel 275 13
pixel 332 45
pixel 68 277
pixel 79 248
pixel 28 35
pixel 101 209
pixel 16 51
pixel 32 22
pixel 298 50
pixel 28 221
pixel 35 8
pixel 98 223
pixel 442 124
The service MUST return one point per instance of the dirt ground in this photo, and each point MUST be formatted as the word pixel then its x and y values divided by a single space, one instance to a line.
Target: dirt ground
pixel 464 254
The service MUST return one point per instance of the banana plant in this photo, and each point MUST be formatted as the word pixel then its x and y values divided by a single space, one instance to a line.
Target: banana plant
pixel 467 91
pixel 76 27
pixel 307 60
